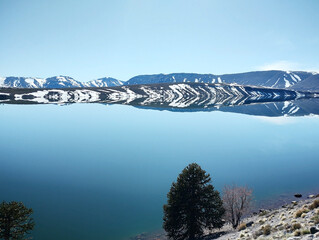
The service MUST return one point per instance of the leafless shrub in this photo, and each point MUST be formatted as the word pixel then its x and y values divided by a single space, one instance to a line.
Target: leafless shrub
pixel 237 201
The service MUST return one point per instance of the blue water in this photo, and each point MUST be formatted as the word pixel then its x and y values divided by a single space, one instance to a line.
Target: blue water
pixel 91 171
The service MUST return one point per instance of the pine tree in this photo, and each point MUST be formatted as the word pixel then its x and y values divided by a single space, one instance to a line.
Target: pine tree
pixel 192 206
pixel 15 221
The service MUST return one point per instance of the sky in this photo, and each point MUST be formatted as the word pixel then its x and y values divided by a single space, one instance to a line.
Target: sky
pixel 124 38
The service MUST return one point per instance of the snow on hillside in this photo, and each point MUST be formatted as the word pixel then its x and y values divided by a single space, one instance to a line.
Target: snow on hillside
pixel 56 82
pixel 103 82
pixel 273 79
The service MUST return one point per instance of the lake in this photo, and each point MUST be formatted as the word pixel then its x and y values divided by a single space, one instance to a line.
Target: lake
pixel 94 171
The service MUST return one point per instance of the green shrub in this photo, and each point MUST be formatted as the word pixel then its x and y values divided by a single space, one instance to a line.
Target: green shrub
pixel 263 213
pixel 305 232
pixel 261 221
pixel 315 219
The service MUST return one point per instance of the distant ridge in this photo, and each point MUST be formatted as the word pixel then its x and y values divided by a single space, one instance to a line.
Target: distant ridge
pixel 56 82
pixel 273 79
pixel 296 80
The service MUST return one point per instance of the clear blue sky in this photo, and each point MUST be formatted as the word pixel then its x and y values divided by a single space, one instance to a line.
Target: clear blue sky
pixel 124 38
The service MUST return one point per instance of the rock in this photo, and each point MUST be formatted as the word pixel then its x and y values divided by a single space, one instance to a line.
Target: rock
pixel 249 224
pixel 298 195
pixel 311 196
pixel 294 203
pixel 313 230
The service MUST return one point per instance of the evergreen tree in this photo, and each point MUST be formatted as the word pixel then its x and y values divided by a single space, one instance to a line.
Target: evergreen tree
pixel 192 206
pixel 15 221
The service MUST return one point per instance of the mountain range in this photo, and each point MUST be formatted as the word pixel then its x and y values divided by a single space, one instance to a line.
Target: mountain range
pixel 56 82
pixel 294 80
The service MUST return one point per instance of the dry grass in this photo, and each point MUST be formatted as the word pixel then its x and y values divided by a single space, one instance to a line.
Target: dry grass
pixel 301 211
pixel 314 204
pixel 266 230
pixel 296 226
pixel 242 226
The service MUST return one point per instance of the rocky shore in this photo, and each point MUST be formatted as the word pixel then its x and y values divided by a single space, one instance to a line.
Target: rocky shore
pixel 298 220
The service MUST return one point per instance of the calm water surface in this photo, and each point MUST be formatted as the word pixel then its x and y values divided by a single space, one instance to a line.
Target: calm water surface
pixel 91 171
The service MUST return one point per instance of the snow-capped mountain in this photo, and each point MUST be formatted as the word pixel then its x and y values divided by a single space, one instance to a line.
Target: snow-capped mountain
pixel 28 82
pixel 56 82
pixel 273 79
pixel 22 82
pixel 62 82
pixel 103 82
pixel 295 80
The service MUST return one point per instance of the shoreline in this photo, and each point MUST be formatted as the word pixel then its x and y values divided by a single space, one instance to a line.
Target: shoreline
pixel 293 221
pixel 271 204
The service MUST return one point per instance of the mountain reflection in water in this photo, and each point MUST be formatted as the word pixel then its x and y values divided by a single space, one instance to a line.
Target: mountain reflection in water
pixel 178 97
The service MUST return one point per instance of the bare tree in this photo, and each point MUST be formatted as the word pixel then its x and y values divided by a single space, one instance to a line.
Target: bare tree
pixel 237 201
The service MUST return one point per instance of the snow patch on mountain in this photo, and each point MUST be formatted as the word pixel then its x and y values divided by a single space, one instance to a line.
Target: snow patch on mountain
pixel 2 84
pixel 103 82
